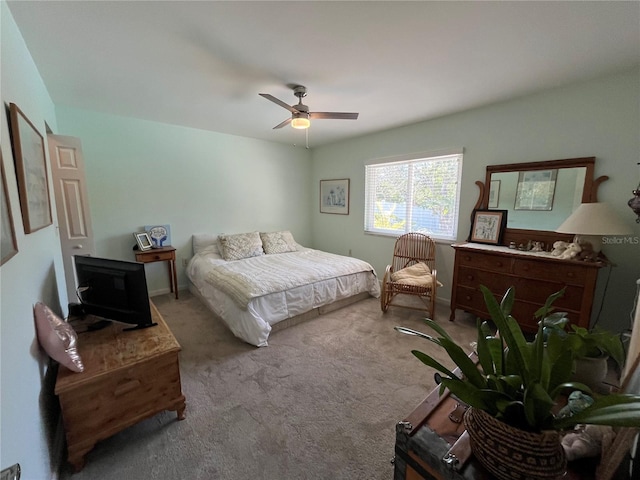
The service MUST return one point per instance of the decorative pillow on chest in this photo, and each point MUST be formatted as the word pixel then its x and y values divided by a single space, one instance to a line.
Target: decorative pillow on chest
pixel 278 242
pixel 239 246
pixel 57 338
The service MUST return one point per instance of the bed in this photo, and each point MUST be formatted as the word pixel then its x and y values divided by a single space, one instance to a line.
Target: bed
pixel 260 282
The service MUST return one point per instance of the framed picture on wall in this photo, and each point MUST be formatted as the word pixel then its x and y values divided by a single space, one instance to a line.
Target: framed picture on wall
pixel 334 196
pixel 31 171
pixel 488 226
pixel 8 244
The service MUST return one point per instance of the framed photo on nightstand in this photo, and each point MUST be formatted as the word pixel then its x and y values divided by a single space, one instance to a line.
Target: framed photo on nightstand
pixel 143 240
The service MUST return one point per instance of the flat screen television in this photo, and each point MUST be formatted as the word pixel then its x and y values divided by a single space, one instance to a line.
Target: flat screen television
pixel 114 290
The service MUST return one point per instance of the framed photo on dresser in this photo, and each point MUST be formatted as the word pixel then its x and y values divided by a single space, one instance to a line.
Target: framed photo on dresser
pixel 488 226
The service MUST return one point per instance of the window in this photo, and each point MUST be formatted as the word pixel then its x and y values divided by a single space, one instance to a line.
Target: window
pixel 417 193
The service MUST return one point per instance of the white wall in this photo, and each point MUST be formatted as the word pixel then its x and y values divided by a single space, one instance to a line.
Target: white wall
pixel 598 118
pixel 29 410
pixel 142 173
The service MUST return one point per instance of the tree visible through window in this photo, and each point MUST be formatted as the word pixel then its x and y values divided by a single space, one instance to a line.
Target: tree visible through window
pixel 414 195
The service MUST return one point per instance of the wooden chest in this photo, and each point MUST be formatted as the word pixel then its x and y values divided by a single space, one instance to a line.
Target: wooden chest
pixel 128 376
pixel 431 444
pixel 534 277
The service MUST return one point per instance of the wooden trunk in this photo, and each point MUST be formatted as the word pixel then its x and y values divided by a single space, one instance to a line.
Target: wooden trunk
pixel 128 376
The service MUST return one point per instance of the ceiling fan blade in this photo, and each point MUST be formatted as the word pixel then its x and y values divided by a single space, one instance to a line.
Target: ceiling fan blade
pixel 279 102
pixel 334 115
pixel 283 124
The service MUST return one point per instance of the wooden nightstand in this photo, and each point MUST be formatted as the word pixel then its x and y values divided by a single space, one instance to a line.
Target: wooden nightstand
pixel 162 254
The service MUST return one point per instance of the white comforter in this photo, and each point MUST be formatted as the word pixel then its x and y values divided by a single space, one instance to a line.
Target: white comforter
pixel 284 287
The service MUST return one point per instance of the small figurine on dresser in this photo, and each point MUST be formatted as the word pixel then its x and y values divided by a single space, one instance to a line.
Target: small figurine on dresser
pixel 571 252
pixel 559 247
pixel 537 247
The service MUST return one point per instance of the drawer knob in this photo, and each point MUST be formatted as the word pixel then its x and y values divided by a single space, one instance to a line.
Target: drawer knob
pixel 157 257
pixel 468 297
pixel 570 274
pixel 499 264
pixel 469 277
pixel 526 268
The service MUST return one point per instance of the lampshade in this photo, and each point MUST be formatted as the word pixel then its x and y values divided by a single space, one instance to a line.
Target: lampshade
pixel 300 120
pixel 591 221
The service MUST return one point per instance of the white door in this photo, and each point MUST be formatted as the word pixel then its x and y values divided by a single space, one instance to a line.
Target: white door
pixel 72 204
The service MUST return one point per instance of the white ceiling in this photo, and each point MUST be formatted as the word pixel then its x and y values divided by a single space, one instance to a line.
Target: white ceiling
pixel 202 64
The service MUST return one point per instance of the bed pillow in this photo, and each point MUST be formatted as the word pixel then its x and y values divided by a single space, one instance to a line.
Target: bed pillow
pixel 200 241
pixel 57 338
pixel 241 245
pixel 278 242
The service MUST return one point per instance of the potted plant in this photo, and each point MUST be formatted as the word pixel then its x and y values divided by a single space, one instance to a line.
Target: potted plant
pixel 512 393
pixel 591 348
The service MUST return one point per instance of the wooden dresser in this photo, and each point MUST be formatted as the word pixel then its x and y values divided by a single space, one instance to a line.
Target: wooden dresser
pixel 128 376
pixel 535 276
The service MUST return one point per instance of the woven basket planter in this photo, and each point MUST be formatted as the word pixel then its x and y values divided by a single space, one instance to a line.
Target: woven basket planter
pixel 513 454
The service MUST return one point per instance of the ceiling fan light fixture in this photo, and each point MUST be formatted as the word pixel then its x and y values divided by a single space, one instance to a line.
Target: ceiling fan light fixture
pixel 300 121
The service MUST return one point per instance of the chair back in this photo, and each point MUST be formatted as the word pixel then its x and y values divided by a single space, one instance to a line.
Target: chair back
pixel 412 248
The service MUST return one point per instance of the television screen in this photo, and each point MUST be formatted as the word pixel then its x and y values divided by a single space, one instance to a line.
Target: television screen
pixel 113 289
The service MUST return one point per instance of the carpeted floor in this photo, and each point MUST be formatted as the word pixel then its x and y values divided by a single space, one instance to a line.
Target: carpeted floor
pixel 320 402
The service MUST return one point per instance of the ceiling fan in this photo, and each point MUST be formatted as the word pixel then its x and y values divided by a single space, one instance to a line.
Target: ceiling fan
pixel 300 114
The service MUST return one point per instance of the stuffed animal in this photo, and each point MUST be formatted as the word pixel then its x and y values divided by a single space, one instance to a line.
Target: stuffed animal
pixel 571 252
pixel 559 247
pixel 587 254
pixel 588 442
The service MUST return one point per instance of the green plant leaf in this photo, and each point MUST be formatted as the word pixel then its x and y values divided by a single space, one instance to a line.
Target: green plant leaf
pixel 433 363
pixel 468 368
pixel 537 405
pixel 441 331
pixel 484 353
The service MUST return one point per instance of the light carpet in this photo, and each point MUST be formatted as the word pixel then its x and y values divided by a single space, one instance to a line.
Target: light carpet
pixel 320 402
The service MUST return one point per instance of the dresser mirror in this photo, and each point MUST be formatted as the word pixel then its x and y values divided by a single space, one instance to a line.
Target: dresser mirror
pixel 538 196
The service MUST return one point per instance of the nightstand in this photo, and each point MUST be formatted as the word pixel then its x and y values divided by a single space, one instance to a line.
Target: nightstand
pixel 162 254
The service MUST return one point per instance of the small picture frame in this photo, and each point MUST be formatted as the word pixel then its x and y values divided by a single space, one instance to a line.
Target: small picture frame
pixel 488 226
pixel 334 196
pixel 143 240
pixel 494 194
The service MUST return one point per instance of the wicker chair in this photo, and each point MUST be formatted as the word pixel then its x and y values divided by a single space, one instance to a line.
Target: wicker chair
pixel 411 249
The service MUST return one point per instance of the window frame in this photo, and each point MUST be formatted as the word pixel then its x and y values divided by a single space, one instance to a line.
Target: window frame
pixel 412 159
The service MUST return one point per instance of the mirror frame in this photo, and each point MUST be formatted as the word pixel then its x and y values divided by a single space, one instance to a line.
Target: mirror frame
pixel 522 236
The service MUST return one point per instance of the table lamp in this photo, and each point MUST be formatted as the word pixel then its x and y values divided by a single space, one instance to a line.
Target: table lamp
pixel 590 222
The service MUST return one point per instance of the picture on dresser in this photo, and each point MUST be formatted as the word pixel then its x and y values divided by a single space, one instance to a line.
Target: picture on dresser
pixel 488 226
pixel 536 189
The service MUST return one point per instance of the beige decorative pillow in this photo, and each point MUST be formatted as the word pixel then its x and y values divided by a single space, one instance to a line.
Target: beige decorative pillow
pixel 415 270
pixel 239 246
pixel 57 338
pixel 278 242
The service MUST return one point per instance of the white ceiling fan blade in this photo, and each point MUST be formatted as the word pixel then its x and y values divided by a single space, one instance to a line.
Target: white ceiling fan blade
pixel 279 102
pixel 333 115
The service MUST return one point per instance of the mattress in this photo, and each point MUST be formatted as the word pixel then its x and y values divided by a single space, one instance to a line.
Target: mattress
pixel 254 323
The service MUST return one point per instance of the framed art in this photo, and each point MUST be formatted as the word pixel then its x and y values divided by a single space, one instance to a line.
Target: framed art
pixel 334 196
pixel 494 194
pixel 143 240
pixel 31 171
pixel 8 244
pixel 160 235
pixel 536 189
pixel 487 226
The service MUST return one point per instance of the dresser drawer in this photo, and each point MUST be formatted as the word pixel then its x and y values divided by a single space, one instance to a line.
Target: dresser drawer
pixel 155 257
pixel 494 263
pixel 562 272
pixel 473 278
